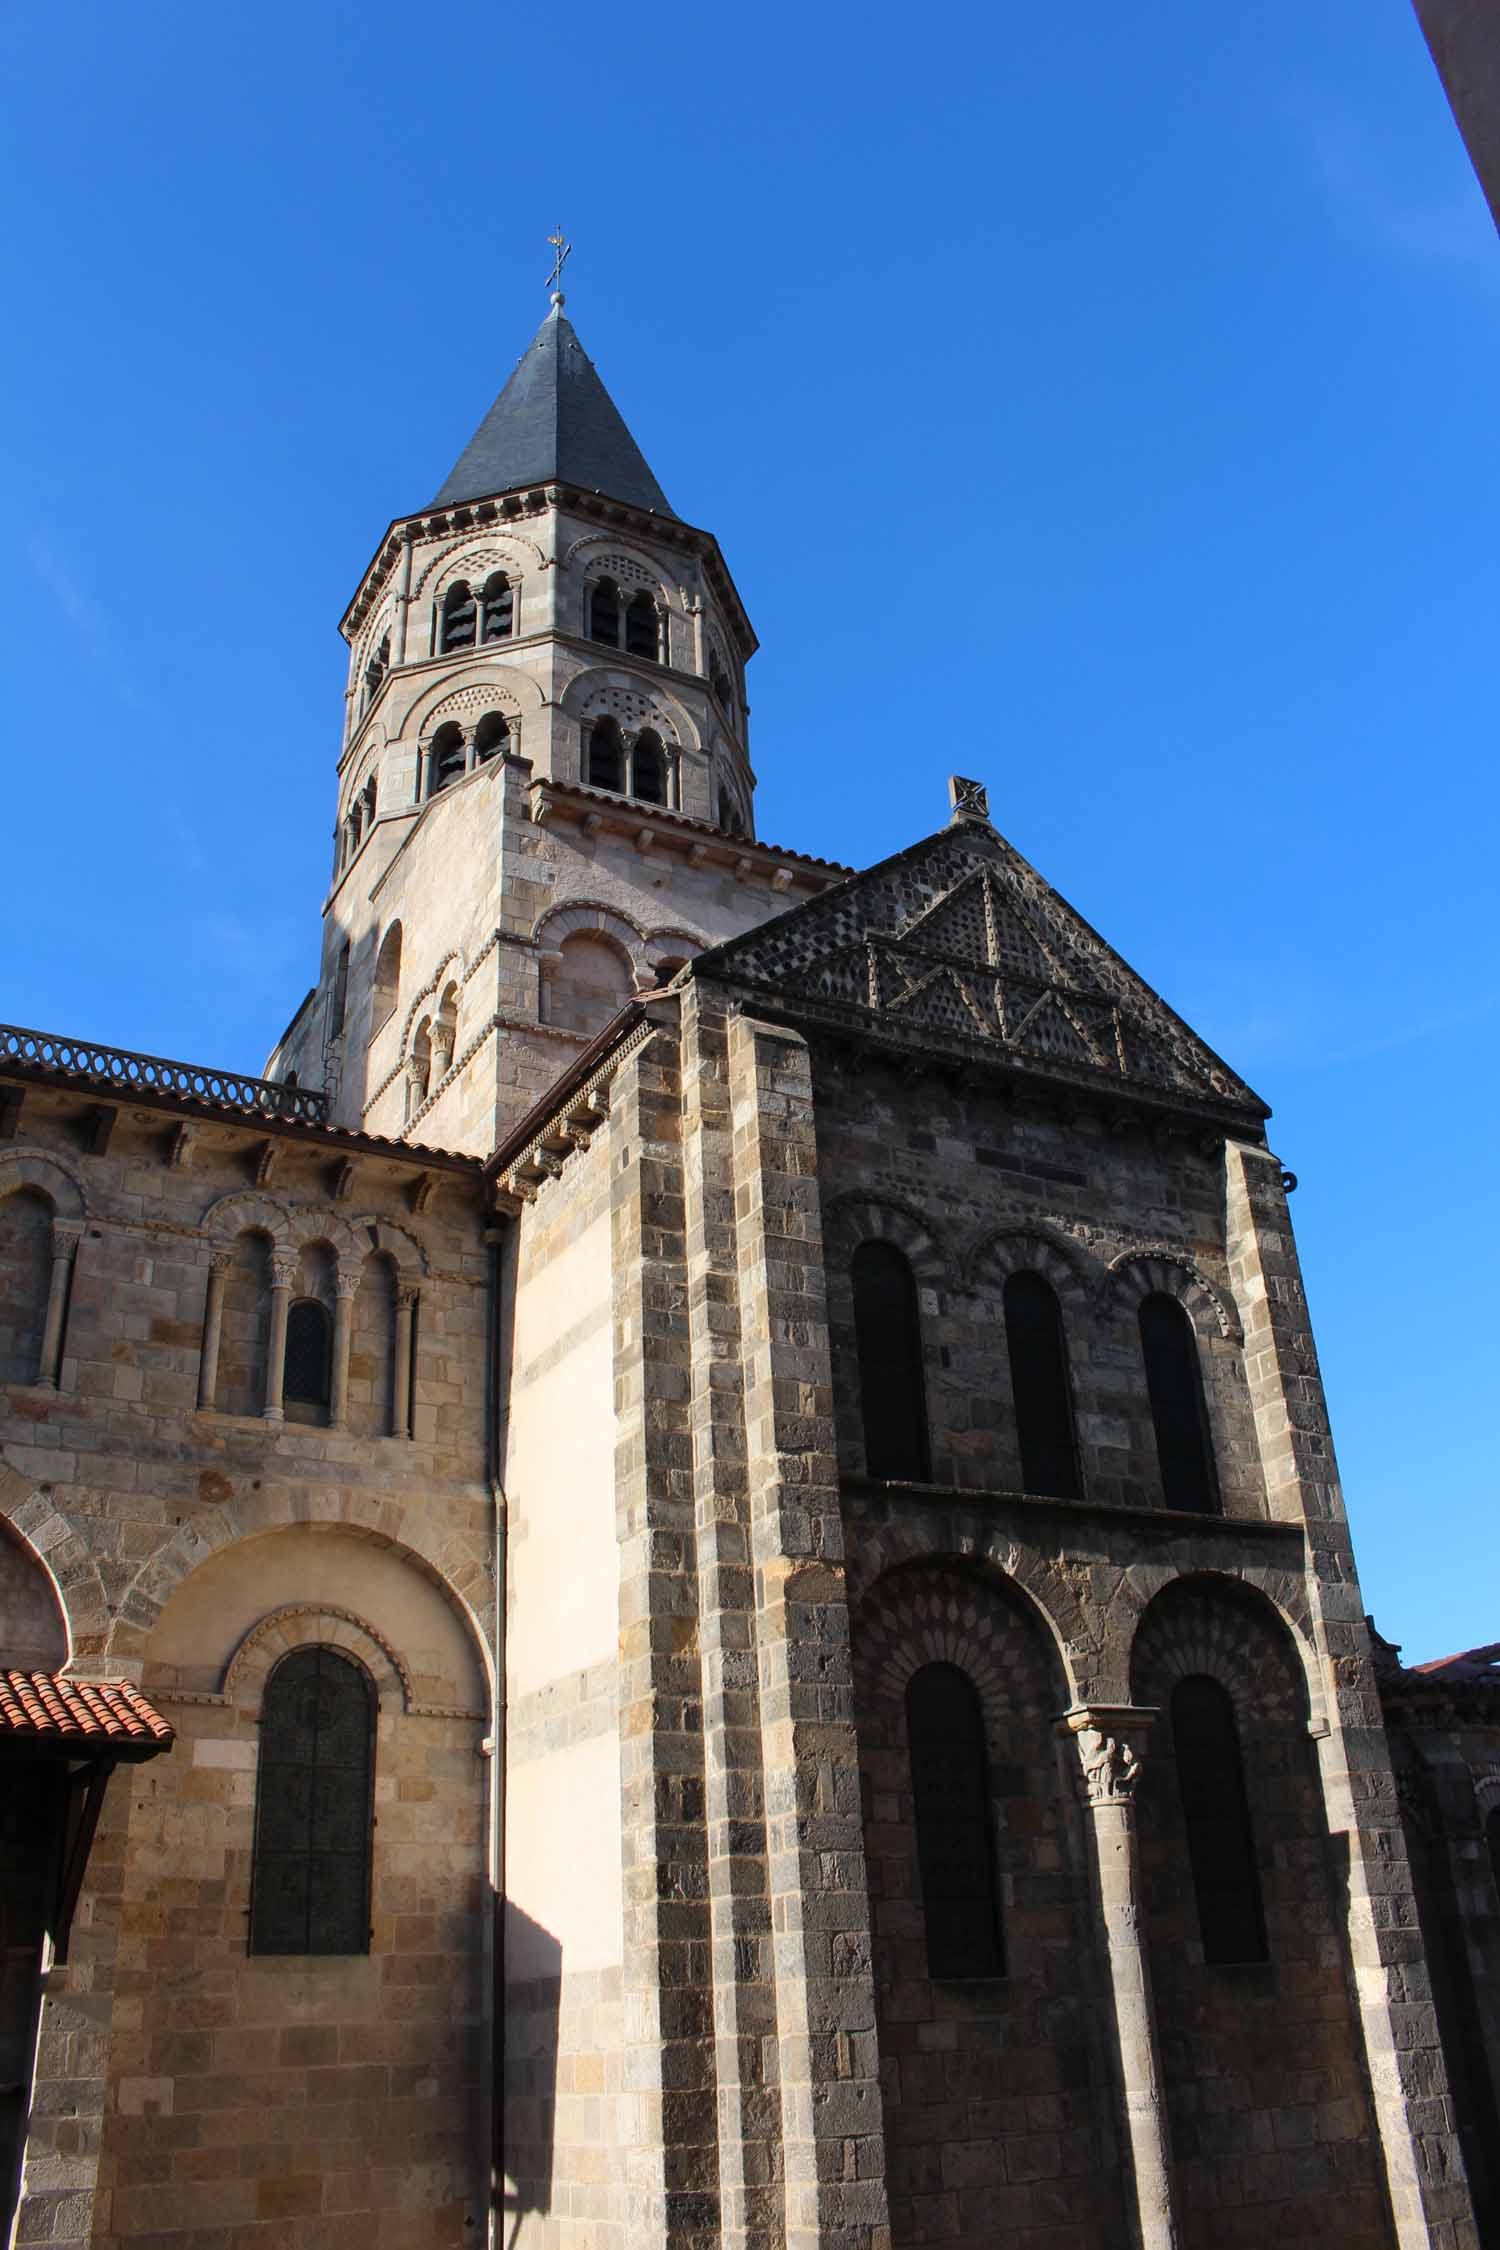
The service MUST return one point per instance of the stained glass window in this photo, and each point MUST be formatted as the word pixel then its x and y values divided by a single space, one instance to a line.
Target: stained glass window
pixel 888 1335
pixel 1039 1380
pixel 1174 1382
pixel 955 1849
pixel 310 1885
pixel 1221 1844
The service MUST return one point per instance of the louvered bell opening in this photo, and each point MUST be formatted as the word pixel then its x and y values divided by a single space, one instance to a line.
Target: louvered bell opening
pixel 604 615
pixel 499 610
pixel 459 616
pixel 642 628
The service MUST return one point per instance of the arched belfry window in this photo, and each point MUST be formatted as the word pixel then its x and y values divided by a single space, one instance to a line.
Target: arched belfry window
pixel 604 613
pixel 457 621
pixel 445 760
pixel 951 1810
pixel 1038 1353
pixel 1174 1382
pixel 606 756
pixel 310 1875
pixel 643 627
pixel 888 1339
pixel 1216 1811
pixel 649 770
pixel 308 1373
pixel 376 669
pixel 497 608
pixel 490 737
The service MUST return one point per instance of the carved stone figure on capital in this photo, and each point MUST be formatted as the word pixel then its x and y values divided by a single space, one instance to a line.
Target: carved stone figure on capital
pixel 1110 1767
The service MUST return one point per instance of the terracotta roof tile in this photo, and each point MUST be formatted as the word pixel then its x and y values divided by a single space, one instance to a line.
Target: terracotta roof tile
pixel 84 1715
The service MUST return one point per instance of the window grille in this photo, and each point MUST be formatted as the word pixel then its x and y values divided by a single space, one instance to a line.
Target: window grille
pixel 310 1873
pixel 1038 1351
pixel 1221 1842
pixel 445 760
pixel 1174 1381
pixel 888 1338
pixel 951 1808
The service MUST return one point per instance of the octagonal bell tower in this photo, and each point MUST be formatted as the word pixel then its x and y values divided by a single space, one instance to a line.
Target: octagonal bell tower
pixel 545 798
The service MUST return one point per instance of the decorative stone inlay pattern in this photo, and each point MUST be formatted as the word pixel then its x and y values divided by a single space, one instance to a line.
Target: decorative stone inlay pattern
pixel 961 938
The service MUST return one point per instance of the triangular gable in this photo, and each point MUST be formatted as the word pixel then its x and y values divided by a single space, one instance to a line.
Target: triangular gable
pixel 959 938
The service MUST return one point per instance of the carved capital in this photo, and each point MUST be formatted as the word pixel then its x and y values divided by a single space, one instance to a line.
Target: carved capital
pixel 221 1261
pixel 346 1281
pixel 407 1293
pixel 1110 1738
pixel 66 1236
pixel 284 1273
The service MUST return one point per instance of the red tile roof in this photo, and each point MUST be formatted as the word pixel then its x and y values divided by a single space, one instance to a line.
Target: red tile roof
pixel 41 1710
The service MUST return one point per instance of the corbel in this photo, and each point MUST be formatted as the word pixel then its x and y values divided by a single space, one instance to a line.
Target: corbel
pixel 266 1159
pixel 343 1180
pixel 180 1146
pixel 697 855
pixel 98 1127
pixel 644 839
pixel 783 879
pixel 419 1195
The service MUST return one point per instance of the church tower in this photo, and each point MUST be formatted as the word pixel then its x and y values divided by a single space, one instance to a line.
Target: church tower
pixel 545 797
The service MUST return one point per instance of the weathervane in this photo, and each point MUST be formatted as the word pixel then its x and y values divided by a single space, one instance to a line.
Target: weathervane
pixel 564 251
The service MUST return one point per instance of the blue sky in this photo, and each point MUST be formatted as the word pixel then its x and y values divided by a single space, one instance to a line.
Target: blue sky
pixel 1099 401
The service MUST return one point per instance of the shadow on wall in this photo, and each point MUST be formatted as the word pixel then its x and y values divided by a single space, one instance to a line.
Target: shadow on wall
pixel 532 1974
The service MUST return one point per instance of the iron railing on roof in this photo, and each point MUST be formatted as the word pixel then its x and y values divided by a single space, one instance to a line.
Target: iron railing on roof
pixel 118 1069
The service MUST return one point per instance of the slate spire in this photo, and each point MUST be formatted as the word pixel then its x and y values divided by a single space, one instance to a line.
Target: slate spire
pixel 554 422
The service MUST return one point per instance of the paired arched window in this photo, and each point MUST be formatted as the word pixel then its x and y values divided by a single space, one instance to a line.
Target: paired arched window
pixel 490 737
pixel 718 680
pixel 1179 1413
pixel 387 977
pixel 649 772
pixel 606 756
pixel 310 1873
pixel 308 1376
pixel 338 999
pixel 1216 1812
pixel 888 1340
pixel 376 669
pixel 951 1810
pixel 635 625
pixel 497 608
pixel 1039 1382
pixel 446 758
pixel 731 819
pixel 457 617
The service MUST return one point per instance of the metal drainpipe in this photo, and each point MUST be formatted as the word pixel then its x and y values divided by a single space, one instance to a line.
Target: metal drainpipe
pixel 495 1421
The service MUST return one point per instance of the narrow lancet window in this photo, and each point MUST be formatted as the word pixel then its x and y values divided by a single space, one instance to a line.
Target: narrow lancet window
pixel 606 757
pixel 888 1339
pixel 309 1353
pixel 456 627
pixel 1038 1354
pixel 643 627
pixel 951 1807
pixel 650 772
pixel 1174 1382
pixel 604 613
pixel 1221 1842
pixel 498 608
pixel 310 1878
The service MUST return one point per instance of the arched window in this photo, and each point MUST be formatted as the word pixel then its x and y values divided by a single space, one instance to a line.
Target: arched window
pixel 1492 1838
pixel 459 615
pixel 376 669
pixel 309 1353
pixel 445 760
pixel 643 627
pixel 950 1787
pixel 339 998
pixel 604 613
pixel 888 1338
pixel 497 608
pixel 387 977
pixel 718 680
pixel 367 799
pixel 310 1874
pixel 1221 1842
pixel 606 756
pixel 1174 1382
pixel 490 737
pixel 649 770
pixel 1038 1353
pixel 731 819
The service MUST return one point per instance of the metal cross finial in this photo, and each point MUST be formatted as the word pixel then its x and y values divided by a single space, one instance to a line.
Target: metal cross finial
pixel 564 251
